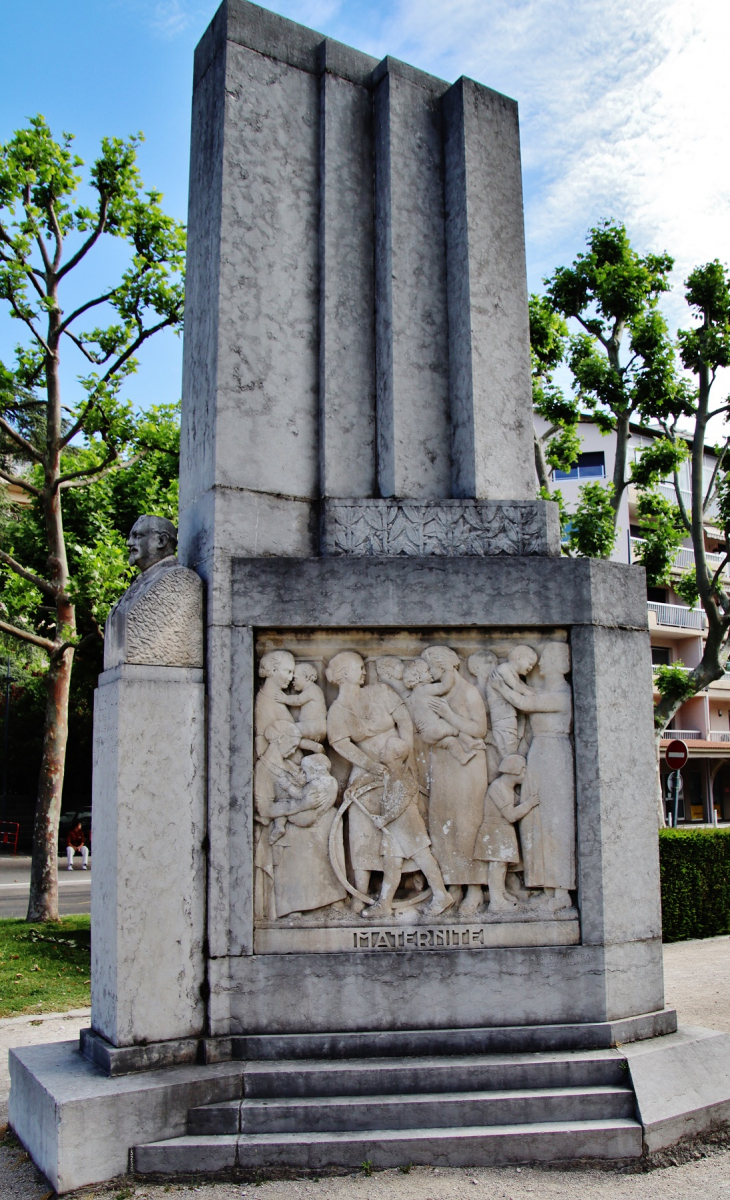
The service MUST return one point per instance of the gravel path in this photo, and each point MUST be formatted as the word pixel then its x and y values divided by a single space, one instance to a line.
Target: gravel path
pixel 697 976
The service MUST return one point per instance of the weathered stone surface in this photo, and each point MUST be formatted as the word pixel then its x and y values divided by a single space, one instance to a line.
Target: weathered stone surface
pixel 147 907
pixel 347 286
pixel 410 270
pixel 437 593
pixel 79 1125
pixel 284 993
pixel 446 527
pixel 491 394
pixel 682 1084
pixel 618 848
pixel 158 621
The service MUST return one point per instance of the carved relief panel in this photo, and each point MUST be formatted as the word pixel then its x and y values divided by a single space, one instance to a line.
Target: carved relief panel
pixel 413 792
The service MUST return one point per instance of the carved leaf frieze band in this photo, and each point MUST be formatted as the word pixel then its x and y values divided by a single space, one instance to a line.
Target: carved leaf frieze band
pixel 473 528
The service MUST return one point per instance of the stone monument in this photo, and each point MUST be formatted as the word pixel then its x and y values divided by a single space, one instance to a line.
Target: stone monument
pixel 416 852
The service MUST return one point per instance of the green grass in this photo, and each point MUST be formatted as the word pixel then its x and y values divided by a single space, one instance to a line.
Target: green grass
pixel 45 967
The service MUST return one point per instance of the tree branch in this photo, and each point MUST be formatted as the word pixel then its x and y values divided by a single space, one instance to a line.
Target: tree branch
pixel 20 482
pixel 71 482
pixel 711 484
pixel 57 235
pixel 80 345
pixel 42 584
pixel 66 480
pixel 44 643
pixel 599 336
pixel 93 237
pixel 27 321
pixel 20 440
pixel 681 504
pixel 84 307
pixel 79 423
pixel 78 646
pixel 719 571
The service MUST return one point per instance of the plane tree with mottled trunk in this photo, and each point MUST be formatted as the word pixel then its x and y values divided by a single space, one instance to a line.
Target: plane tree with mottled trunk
pixel 51 442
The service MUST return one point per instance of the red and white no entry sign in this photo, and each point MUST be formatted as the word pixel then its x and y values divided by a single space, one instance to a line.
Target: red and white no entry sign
pixel 676 755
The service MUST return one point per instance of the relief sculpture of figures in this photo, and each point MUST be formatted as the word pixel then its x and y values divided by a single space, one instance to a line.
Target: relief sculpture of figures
pixel 398 788
pixel 548 833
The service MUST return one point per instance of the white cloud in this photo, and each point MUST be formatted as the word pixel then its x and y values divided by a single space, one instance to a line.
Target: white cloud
pixel 624 109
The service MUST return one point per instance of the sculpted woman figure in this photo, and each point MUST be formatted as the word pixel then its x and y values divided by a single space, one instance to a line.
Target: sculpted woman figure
pixel 548 831
pixel 457 791
pixel 277 671
pixel 359 724
pixel 294 815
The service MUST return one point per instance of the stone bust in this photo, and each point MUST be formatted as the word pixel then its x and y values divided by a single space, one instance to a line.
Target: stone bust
pixel 159 619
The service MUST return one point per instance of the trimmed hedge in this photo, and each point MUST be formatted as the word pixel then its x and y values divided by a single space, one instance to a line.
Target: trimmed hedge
pixel 694 866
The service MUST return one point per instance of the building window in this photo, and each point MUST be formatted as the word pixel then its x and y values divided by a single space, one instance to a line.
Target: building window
pixel 661 656
pixel 656 595
pixel 591 465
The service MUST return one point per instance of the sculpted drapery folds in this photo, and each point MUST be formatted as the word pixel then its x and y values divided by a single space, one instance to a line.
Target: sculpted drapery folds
pixel 433 785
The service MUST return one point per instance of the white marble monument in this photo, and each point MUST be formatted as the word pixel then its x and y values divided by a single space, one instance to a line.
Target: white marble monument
pixel 386 793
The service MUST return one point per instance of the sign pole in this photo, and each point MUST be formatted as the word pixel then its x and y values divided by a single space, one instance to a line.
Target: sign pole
pixel 676 756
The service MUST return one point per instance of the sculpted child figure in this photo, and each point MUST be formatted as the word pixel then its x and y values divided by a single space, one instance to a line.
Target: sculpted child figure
pixel 496 841
pixel 390 670
pixel 312 720
pixel 432 728
pixel 404 834
pixel 507 723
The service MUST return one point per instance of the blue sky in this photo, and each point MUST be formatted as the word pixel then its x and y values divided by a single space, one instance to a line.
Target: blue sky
pixel 624 105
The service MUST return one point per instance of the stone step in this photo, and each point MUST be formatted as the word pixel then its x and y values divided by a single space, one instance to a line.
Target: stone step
pixel 409 1043
pixel 435 1110
pixel 472 1146
pixel 470 1073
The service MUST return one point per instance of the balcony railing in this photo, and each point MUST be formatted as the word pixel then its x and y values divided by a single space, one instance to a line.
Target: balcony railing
pixel 684 559
pixel 683 735
pixel 667 490
pixel 677 615
pixel 719 735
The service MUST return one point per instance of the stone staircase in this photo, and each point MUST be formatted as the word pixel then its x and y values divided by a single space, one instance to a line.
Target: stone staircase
pixel 444 1110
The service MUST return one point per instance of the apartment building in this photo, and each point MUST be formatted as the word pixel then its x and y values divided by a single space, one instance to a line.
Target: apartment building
pixel 677 632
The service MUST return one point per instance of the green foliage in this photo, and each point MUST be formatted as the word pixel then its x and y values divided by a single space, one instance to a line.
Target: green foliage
pixel 611 290
pixel 565 517
pixel 708 294
pixel 672 681
pixel 591 531
pixel 564 448
pixel 97 521
pixel 611 278
pixel 658 461
pixel 687 588
pixel 548 340
pixel 663 532
pixel 695 881
pixel 45 967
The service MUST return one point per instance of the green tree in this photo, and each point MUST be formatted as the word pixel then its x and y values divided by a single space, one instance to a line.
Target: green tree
pixel 612 292
pixel 96 522
pixel 621 359
pixel 51 446
pixel 704 348
pixel 558 447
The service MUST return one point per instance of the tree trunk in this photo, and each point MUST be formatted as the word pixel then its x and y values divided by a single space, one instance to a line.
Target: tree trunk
pixel 543 475
pixel 43 901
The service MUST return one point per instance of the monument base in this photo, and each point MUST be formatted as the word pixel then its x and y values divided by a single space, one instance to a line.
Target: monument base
pixel 318 1102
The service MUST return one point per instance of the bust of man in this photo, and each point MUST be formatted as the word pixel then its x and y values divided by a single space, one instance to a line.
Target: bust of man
pixel 159 619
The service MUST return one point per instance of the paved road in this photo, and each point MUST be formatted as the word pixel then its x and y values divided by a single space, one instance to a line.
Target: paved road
pixel 74 889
